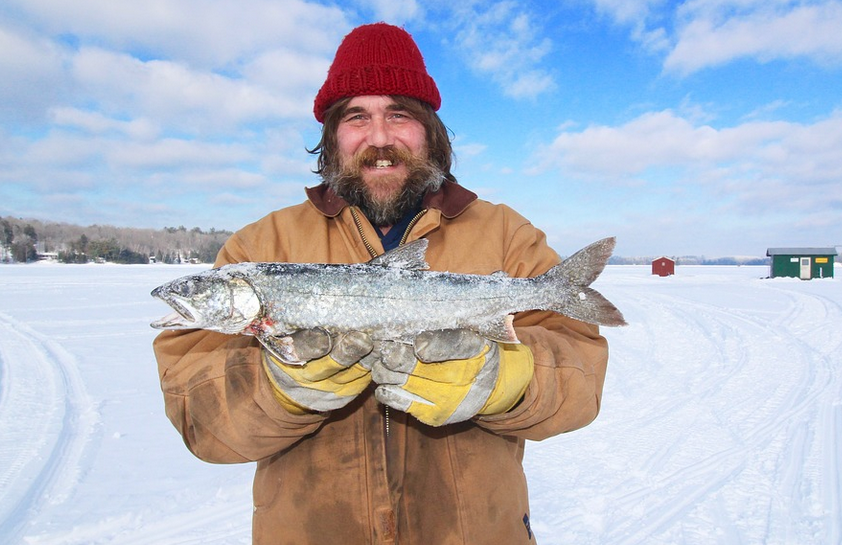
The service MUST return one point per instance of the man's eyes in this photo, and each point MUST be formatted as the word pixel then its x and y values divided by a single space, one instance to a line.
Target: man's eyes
pixel 391 116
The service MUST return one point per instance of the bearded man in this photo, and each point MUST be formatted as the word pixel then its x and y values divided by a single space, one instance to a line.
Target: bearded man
pixel 384 442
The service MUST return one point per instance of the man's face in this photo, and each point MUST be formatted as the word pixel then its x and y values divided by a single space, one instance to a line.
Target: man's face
pixel 373 134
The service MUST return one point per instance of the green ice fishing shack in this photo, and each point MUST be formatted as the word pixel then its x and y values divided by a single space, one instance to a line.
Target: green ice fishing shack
pixel 803 263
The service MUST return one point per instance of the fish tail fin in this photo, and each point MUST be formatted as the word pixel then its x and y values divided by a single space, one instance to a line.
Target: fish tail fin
pixel 571 278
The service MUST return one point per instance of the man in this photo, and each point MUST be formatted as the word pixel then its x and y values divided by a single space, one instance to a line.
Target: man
pixel 384 442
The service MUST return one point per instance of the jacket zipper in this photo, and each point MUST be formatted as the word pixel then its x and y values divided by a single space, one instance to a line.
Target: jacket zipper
pixel 368 246
pixel 373 252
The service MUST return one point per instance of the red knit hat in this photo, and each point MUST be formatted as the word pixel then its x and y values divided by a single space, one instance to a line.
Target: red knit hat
pixel 377 59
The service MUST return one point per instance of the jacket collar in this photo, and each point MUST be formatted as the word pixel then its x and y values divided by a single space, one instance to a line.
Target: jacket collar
pixel 451 199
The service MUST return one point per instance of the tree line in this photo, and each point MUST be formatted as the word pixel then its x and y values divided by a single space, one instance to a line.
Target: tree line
pixel 24 240
pixel 28 240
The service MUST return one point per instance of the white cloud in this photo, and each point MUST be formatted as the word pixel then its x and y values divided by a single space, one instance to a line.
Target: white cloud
pixel 395 12
pixel 123 100
pixel 503 42
pixel 757 165
pixel 763 31
pixel 287 71
pixel 703 33
pixel 172 153
pixel 204 33
pixel 633 12
pixel 653 139
pixel 469 149
pixel 185 65
pixel 175 95
pixel 97 123
pixel 20 53
pixel 31 73
pixel 767 109
pixel 112 161
pixel 641 16
pixel 56 152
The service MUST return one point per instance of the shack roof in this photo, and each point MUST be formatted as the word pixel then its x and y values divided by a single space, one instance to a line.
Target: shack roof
pixel 800 251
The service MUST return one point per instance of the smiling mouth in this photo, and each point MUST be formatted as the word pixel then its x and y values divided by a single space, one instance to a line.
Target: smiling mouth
pixel 382 163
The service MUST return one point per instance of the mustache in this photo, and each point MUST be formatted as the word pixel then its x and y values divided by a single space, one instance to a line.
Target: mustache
pixel 370 156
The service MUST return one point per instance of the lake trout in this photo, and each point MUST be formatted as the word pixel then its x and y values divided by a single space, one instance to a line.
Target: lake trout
pixel 391 297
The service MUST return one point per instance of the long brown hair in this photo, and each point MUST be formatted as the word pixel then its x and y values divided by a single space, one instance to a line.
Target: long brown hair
pixel 439 145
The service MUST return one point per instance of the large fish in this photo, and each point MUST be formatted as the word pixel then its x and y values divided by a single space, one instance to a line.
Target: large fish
pixel 391 297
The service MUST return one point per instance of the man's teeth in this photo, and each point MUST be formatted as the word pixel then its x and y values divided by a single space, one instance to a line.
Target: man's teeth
pixel 382 163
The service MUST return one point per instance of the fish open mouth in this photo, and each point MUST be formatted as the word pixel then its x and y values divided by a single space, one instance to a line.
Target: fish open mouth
pixel 182 317
pixel 182 311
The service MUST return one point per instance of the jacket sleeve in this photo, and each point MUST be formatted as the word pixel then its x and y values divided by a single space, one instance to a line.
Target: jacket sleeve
pixel 571 358
pixel 217 395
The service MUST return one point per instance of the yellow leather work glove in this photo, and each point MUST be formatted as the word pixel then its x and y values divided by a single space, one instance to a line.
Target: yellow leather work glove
pixel 452 375
pixel 331 377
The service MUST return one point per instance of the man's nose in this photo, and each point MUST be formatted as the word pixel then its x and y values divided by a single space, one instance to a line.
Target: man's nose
pixel 379 133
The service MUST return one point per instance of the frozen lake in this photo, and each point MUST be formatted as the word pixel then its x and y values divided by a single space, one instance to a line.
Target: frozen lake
pixel 721 420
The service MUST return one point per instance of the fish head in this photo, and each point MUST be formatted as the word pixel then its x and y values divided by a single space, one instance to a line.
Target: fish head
pixel 211 300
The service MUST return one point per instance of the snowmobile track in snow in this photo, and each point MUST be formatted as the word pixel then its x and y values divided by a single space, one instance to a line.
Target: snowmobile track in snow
pixel 761 438
pixel 38 377
pixel 722 418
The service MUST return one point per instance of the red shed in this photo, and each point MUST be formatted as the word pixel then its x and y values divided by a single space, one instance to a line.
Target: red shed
pixel 663 266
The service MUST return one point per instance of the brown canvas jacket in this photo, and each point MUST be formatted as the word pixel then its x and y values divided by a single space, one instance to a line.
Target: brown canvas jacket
pixel 354 476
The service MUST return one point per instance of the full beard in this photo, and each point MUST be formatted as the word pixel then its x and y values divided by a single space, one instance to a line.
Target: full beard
pixel 393 197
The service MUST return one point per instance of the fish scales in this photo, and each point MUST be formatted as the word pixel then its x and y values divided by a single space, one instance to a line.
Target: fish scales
pixel 387 304
pixel 392 297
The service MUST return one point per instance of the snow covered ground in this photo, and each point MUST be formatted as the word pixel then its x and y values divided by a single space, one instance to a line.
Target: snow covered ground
pixel 721 422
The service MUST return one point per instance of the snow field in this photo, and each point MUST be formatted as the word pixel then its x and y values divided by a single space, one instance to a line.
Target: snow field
pixel 721 419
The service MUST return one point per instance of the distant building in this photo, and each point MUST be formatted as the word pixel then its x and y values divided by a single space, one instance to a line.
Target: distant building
pixel 663 266
pixel 47 256
pixel 803 263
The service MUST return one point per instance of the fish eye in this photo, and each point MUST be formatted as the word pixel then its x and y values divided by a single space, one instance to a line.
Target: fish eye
pixel 185 289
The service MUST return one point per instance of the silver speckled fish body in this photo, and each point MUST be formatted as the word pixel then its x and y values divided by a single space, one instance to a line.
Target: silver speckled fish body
pixel 392 297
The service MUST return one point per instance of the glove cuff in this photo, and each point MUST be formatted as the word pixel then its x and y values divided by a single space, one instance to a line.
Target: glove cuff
pixel 320 385
pixel 284 400
pixel 517 366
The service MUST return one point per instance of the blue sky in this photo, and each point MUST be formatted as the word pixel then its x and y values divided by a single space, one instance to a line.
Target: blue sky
pixel 705 127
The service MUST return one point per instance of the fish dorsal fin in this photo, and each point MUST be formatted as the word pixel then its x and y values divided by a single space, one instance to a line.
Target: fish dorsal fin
pixel 409 256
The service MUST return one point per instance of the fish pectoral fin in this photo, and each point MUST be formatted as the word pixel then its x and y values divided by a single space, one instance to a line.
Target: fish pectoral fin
pixel 500 330
pixel 410 256
pixel 281 347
